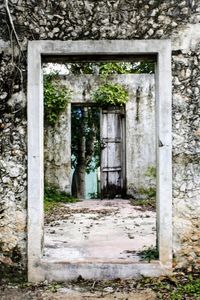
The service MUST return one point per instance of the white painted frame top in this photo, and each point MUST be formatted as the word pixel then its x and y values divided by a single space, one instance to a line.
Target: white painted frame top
pixel 37 269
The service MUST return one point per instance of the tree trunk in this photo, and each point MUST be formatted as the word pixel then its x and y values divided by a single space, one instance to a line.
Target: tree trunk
pixel 78 181
pixel 85 153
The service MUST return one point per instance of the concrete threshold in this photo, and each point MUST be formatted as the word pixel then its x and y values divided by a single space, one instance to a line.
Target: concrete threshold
pixel 65 271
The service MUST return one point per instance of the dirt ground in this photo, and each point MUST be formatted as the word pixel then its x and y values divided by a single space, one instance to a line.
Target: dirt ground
pixel 178 286
pixel 67 293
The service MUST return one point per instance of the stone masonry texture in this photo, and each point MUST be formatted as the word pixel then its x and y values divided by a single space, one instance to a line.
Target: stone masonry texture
pixel 95 20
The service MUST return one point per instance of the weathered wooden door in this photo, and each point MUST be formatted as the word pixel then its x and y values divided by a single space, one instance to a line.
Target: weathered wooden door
pixel 112 152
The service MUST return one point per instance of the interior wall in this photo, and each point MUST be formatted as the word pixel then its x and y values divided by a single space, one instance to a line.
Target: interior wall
pixel 57 152
pixel 140 133
pixel 141 136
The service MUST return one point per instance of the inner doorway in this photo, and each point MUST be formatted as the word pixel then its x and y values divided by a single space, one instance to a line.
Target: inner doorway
pixel 98 151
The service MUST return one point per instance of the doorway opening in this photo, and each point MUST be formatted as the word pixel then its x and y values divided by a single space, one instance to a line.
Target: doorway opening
pixel 98 152
pixel 60 267
pixel 110 118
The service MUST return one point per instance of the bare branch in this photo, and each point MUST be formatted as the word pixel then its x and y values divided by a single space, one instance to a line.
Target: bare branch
pixel 11 23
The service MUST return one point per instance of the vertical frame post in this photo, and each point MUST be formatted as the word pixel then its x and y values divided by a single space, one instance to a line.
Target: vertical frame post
pixel 35 163
pixel 164 154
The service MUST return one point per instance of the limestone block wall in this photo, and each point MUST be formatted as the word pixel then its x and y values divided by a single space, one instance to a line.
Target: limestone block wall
pixel 105 19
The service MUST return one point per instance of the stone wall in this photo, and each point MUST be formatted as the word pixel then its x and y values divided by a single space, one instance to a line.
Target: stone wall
pixel 106 19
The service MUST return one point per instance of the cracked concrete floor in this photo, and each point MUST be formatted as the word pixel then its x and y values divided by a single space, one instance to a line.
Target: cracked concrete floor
pixel 99 230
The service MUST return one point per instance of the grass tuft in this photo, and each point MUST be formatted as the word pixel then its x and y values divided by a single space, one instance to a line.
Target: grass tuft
pixel 53 196
pixel 149 254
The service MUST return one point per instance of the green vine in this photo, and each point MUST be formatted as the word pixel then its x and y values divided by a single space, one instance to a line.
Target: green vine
pixel 56 98
pixel 110 94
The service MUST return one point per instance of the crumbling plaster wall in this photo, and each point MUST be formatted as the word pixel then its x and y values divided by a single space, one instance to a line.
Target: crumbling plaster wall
pixel 106 19
pixel 57 152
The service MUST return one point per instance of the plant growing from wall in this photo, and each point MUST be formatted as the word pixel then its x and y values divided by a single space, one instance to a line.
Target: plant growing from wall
pixel 56 98
pixel 151 172
pixel 110 94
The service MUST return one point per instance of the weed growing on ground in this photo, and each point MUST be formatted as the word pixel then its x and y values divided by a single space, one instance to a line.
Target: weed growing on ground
pixel 176 287
pixel 149 254
pixel 192 288
pixel 148 192
pixel 53 196
pixel 150 202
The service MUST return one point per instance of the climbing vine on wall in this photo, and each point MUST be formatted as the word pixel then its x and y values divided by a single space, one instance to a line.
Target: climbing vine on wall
pixel 56 98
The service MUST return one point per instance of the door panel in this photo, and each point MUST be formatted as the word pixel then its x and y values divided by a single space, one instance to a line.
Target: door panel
pixel 112 152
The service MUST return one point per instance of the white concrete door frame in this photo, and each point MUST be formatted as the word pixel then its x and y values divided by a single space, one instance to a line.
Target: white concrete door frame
pixel 39 268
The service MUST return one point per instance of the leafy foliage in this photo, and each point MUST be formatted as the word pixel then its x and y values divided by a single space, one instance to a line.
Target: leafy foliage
pixel 126 68
pixel 143 67
pixel 114 68
pixel 149 254
pixel 52 196
pixel 146 203
pixel 56 98
pixel 192 288
pixel 177 287
pixel 151 172
pixel 81 68
pixel 110 68
pixel 110 94
pixel 85 124
pixel 149 192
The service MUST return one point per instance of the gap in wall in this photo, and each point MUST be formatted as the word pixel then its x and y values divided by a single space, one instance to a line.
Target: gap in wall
pixel 118 221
